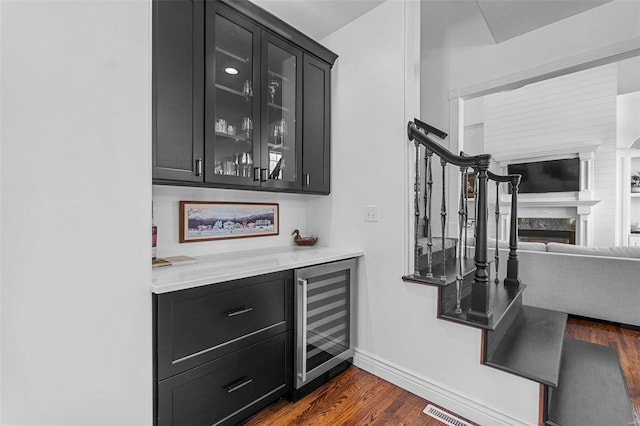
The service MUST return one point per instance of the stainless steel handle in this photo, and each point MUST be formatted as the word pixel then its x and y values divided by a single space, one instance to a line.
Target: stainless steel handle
pixel 256 174
pixel 240 311
pixel 263 175
pixel 240 383
pixel 303 354
pixel 199 167
pixel 307 179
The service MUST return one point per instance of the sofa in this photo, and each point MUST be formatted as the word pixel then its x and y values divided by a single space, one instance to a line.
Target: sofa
pixel 595 282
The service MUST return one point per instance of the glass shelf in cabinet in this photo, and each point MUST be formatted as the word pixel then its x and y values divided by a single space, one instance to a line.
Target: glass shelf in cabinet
pixel 233 55
pixel 234 138
pixel 278 107
pixel 276 75
pixel 278 146
pixel 232 91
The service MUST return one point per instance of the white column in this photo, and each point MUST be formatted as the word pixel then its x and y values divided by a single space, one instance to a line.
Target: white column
pixel 585 226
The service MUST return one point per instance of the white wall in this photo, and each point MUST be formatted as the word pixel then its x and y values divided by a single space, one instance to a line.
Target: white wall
pixel 76 213
pixel 293 215
pixel 628 124
pixel 570 111
pixel 398 335
pixel 565 112
pixel 458 50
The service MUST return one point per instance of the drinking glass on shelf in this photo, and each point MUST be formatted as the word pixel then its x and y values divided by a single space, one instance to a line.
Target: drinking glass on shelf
pixel 272 86
pixel 279 130
pixel 247 88
pixel 247 126
pixel 221 125
pixel 282 125
pixel 230 168
pixel 245 164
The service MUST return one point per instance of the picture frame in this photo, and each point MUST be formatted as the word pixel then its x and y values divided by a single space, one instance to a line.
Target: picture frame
pixel 217 220
pixel 471 184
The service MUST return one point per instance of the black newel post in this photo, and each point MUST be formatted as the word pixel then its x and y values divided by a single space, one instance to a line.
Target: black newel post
pixel 512 263
pixel 480 310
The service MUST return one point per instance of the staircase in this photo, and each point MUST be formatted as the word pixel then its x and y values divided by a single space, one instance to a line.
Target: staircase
pixel 581 383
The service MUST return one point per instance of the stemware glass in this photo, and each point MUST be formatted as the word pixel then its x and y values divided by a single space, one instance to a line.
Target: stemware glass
pixel 247 126
pixel 272 86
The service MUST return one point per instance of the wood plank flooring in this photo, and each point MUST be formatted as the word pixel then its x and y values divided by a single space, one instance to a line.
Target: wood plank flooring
pixel 355 397
pixel 627 343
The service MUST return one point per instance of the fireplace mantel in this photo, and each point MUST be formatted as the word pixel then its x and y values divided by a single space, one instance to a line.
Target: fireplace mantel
pixel 583 210
pixel 583 206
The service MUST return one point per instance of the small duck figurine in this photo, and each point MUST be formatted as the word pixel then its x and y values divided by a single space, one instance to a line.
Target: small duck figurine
pixel 303 241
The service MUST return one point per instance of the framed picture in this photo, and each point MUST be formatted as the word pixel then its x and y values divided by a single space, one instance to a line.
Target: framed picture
pixel 208 221
pixel 471 184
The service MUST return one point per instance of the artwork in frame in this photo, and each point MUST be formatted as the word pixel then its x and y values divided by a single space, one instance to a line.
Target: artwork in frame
pixel 209 221
pixel 471 184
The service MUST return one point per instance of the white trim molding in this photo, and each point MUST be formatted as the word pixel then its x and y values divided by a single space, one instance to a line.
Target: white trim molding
pixel 435 392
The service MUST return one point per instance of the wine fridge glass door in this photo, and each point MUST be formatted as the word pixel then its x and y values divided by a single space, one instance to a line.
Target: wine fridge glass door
pixel 324 296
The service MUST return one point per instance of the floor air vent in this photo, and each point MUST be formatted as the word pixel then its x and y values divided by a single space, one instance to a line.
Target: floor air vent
pixel 444 417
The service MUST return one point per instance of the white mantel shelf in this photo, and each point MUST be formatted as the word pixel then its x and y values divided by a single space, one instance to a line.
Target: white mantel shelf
pixel 223 267
pixel 553 203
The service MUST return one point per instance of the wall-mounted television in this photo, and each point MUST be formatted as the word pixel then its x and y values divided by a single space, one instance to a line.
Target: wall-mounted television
pixel 548 176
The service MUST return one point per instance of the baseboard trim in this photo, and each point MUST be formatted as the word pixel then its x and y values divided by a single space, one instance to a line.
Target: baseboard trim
pixel 439 394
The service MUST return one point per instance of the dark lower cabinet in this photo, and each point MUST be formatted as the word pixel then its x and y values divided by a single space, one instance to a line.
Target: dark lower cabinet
pixel 222 351
pixel 230 389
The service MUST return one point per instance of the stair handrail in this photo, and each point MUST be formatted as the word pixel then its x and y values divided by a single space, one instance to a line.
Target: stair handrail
pixel 419 132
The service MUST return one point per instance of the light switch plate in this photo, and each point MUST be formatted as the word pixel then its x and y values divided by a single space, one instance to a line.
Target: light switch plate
pixel 370 213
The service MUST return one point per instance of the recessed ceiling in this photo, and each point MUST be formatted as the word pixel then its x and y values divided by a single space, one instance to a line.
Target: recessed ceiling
pixel 510 18
pixel 318 18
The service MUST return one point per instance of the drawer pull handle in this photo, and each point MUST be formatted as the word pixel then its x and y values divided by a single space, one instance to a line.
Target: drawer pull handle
pixel 240 383
pixel 243 310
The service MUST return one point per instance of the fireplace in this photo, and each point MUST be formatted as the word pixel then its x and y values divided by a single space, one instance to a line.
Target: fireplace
pixel 547 230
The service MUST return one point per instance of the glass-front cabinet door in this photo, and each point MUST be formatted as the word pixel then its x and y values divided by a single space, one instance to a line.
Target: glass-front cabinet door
pixel 281 110
pixel 232 108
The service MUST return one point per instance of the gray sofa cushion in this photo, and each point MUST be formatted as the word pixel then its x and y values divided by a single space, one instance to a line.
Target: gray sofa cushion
pixel 528 246
pixel 628 252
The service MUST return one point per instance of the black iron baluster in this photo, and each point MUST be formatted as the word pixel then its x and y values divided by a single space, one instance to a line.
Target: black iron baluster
pixel 497 213
pixel 443 219
pixel 428 198
pixel 416 190
pixel 466 209
pixel 461 223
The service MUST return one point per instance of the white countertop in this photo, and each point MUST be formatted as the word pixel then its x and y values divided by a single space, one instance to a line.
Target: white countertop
pixel 217 268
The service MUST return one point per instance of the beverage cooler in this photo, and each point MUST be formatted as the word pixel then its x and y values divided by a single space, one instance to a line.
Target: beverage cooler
pixel 325 322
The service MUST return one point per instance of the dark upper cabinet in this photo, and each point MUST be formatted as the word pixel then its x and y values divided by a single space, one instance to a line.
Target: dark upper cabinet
pixel 282 114
pixel 178 92
pixel 316 133
pixel 241 99
pixel 232 106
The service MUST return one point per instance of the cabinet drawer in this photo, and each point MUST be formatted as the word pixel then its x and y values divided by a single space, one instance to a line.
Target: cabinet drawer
pixel 201 324
pixel 228 389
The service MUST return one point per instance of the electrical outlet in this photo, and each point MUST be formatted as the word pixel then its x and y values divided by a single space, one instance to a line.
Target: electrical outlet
pixel 370 213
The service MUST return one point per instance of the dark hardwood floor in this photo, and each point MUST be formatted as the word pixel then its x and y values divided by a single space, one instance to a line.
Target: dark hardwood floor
pixel 627 343
pixel 355 397
pixel 360 398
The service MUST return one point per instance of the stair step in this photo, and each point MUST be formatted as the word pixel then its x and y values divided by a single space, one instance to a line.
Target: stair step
pixel 450 273
pixel 502 301
pixel 530 347
pixel 592 389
